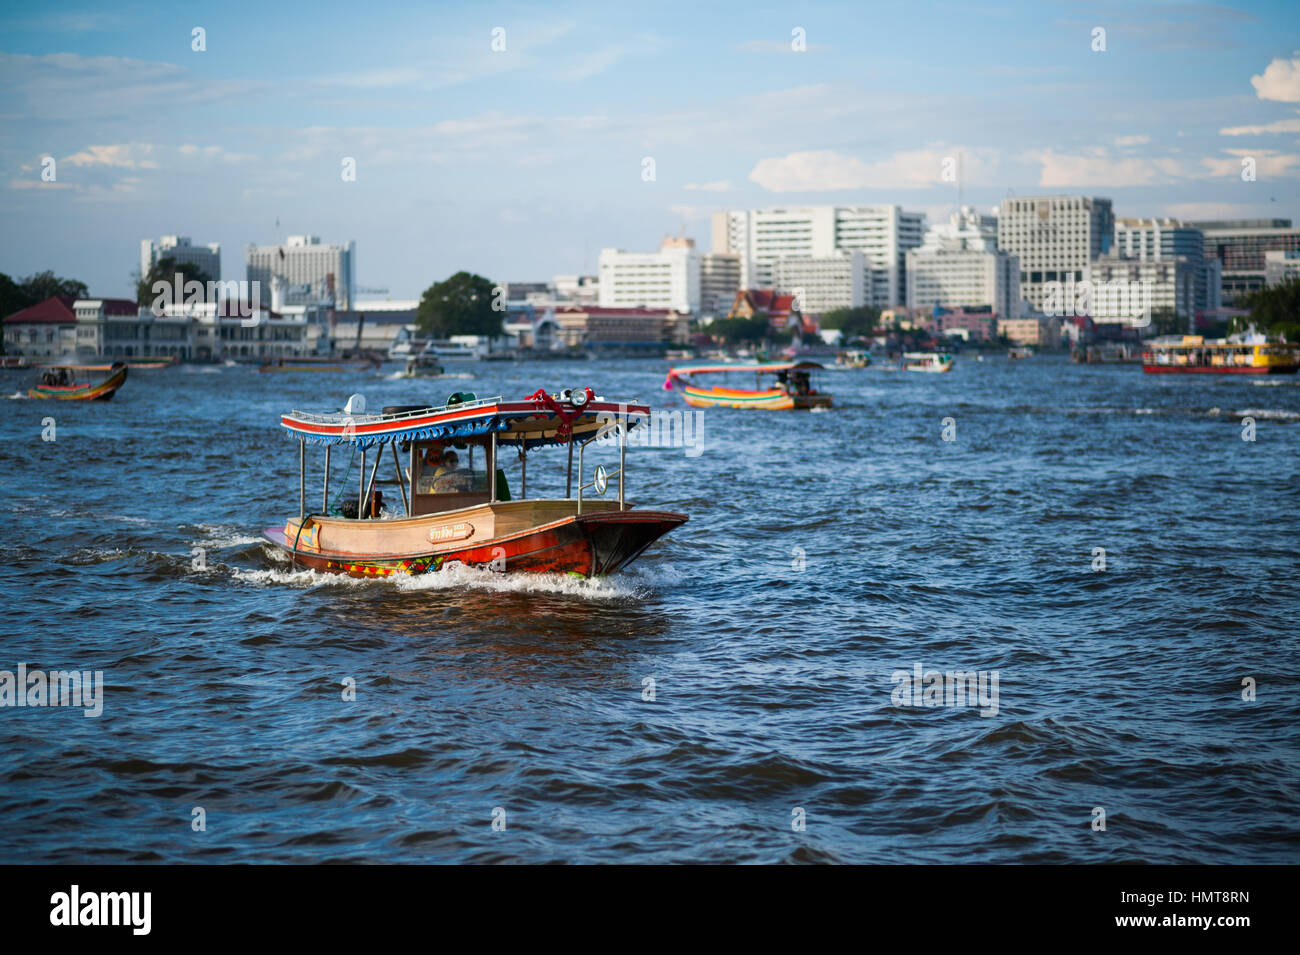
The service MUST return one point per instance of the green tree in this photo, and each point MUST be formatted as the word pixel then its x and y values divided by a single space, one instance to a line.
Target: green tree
pixel 736 331
pixel 852 323
pixel 460 305
pixel 1165 322
pixel 42 285
pixel 164 270
pixel 1275 310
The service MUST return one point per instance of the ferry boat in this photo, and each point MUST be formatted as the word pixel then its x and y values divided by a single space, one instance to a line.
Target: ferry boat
pixel 791 388
pixel 60 382
pixel 927 361
pixel 468 516
pixel 1193 354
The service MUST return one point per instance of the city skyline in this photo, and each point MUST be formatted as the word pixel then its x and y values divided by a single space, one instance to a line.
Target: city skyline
pixel 524 162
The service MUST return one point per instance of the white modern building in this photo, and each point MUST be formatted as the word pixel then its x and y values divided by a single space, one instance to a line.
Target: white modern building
pixel 310 272
pixel 1280 267
pixel 959 265
pixel 669 278
pixel 825 283
pixel 1240 245
pixel 1055 239
pixel 882 233
pixel 178 247
pixel 719 282
pixel 1125 288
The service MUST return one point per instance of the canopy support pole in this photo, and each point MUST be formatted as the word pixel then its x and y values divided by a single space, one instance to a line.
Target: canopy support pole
pixel 325 494
pixel 523 469
pixel 397 463
pixel 568 479
pixel 374 469
pixel 492 469
pixel 622 459
pixel 302 479
pixel 361 485
pixel 411 473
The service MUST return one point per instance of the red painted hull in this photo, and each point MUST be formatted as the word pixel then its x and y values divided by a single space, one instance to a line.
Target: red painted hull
pixel 1220 370
pixel 589 544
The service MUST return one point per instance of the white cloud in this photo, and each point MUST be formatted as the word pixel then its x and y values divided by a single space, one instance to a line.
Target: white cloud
pixel 1138 140
pixel 1277 126
pixel 720 186
pixel 125 155
pixel 1280 80
pixel 825 170
pixel 1269 163
pixel 1096 168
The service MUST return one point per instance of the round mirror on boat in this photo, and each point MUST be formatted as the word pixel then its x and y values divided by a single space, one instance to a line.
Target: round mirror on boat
pixel 578 397
pixel 356 405
pixel 601 479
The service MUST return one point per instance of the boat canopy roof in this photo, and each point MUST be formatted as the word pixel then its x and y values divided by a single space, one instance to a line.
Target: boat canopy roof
pixel 770 367
pixel 529 422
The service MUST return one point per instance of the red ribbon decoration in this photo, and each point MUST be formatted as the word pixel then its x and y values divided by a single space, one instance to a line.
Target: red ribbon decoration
pixel 565 428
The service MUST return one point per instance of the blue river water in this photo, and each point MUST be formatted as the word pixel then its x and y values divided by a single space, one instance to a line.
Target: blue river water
pixel 1105 543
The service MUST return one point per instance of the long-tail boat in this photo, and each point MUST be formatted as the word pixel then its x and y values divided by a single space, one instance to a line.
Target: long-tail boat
pixel 453 515
pixel 792 387
pixel 60 382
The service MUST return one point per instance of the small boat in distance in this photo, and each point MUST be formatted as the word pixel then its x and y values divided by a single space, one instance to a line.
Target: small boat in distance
pixel 1016 354
pixel 61 383
pixel 792 388
pixel 422 366
pixel 927 361
pixel 1193 354
pixel 854 358
pixel 453 514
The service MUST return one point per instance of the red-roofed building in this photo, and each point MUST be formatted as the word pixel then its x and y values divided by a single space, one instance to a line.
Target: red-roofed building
pixel 780 308
pixel 47 329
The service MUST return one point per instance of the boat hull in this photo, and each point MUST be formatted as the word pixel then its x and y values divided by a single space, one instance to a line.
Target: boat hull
pixel 100 391
pixel 770 400
pixel 591 544
pixel 1152 369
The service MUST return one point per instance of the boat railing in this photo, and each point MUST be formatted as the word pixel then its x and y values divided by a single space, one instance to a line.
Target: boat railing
pixel 600 480
pixel 340 417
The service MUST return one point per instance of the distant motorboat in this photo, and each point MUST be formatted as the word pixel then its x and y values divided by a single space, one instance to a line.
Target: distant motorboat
pixel 927 361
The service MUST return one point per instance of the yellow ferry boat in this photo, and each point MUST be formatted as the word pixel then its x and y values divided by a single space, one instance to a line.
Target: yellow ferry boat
pixel 1190 354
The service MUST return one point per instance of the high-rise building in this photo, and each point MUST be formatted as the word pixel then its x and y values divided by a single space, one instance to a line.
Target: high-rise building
pixel 1240 246
pixel 178 247
pixel 959 265
pixel 882 233
pixel 719 282
pixel 307 271
pixel 1281 267
pixel 1125 288
pixel 1165 258
pixel 669 278
pixel 825 283
pixel 1055 239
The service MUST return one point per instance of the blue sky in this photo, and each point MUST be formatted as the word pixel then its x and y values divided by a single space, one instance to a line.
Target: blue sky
pixel 523 163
